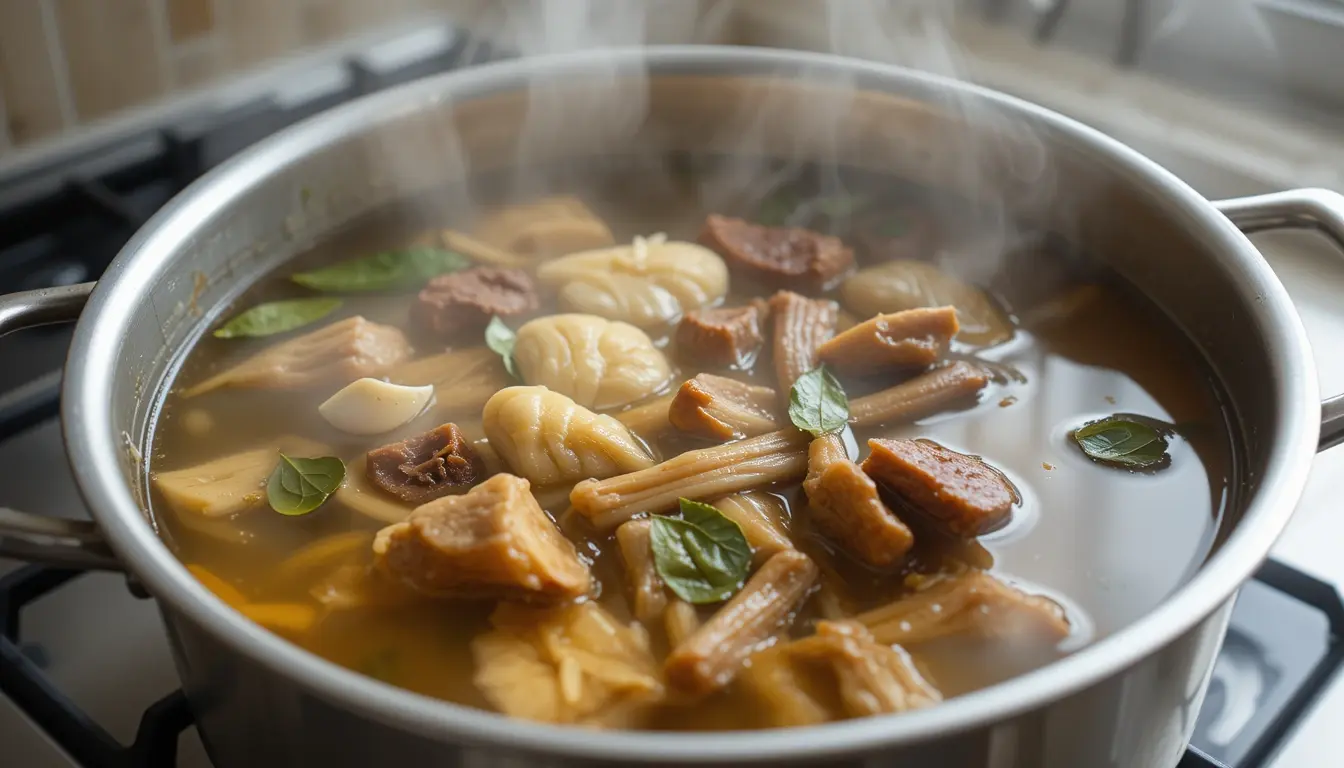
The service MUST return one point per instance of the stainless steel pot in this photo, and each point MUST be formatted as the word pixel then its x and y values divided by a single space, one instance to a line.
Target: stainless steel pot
pixel 1128 700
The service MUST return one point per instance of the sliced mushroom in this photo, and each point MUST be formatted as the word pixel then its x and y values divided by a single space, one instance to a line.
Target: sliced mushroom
pixel 723 409
pixel 713 654
pixel 706 474
pixel 912 338
pixel 921 396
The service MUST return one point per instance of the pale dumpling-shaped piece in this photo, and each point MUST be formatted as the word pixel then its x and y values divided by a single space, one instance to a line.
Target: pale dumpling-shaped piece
pixel 899 285
pixel 372 406
pixel 648 283
pixel 548 438
pixel 599 363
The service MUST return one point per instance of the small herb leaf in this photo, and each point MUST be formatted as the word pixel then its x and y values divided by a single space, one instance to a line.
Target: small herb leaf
pixel 277 317
pixel 702 556
pixel 501 338
pixel 385 271
pixel 1122 441
pixel 817 403
pixel 298 486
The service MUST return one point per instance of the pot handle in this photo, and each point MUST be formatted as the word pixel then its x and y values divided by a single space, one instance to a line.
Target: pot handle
pixel 1318 209
pixel 51 540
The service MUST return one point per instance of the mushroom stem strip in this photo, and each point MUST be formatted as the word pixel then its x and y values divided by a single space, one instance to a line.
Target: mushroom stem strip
pixel 713 654
pixel 801 326
pixel 706 474
pixel 918 397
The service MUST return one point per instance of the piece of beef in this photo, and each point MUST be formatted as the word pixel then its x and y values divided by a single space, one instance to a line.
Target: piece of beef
pixel 961 493
pixel 462 303
pixel 971 603
pixel 844 506
pixel 801 326
pixel 914 338
pixel 492 542
pixel 785 257
pixel 723 409
pixel 427 466
pixel 337 354
pixel 719 338
pixel 713 654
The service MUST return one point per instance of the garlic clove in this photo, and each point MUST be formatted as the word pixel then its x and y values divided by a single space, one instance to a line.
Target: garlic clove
pixel 372 406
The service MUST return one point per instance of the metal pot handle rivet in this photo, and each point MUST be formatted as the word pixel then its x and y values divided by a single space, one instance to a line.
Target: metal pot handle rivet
pixel 25 536
pixel 1318 209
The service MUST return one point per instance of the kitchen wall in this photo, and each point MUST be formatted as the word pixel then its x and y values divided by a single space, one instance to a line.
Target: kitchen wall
pixel 66 63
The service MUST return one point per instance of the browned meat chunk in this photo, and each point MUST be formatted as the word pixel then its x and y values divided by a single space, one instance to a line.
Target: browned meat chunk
pixel 723 409
pixel 915 338
pixel 427 466
pixel 462 303
pixel 719 338
pixel 921 396
pixel 839 672
pixel 782 256
pixel 702 475
pixel 844 506
pixel 973 603
pixel 961 493
pixel 713 654
pixel 491 542
pixel 802 325
pixel 646 586
pixel 338 353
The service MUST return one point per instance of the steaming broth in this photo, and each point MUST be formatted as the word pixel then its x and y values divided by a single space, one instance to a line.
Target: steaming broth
pixel 1103 543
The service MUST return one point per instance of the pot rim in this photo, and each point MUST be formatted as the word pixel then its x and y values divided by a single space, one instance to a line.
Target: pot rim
pixel 93 443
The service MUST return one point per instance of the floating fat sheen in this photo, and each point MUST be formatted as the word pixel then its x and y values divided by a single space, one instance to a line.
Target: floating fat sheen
pixel 372 406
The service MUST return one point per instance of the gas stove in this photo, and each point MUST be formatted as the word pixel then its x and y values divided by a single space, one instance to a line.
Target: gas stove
pixel 85 671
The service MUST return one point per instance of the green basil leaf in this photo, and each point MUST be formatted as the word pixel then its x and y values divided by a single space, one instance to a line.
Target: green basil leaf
pixel 277 317
pixel 385 271
pixel 817 403
pixel 1124 442
pixel 703 557
pixel 298 486
pixel 501 338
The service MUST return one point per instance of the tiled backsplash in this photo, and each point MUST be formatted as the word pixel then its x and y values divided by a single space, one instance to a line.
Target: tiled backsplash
pixel 64 63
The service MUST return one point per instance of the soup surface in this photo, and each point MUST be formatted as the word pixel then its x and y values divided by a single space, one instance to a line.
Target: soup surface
pixel 515 525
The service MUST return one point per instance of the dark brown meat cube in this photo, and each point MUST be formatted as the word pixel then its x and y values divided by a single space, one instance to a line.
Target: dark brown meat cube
pixel 802 325
pixel 914 338
pixel 491 542
pixel 843 504
pixel 426 467
pixel 961 493
pixel 722 337
pixel 463 302
pixel 779 256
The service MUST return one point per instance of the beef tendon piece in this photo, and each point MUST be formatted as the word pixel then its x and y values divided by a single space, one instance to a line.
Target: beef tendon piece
pixel 801 326
pixel 924 395
pixel 703 475
pixel 724 337
pixel 844 506
pixel 222 488
pixel 839 672
pixel 339 353
pixel 960 493
pixel 574 664
pixel 427 466
pixel 648 593
pixel 914 338
pixel 720 408
pixel 764 522
pixel 713 654
pixel 461 303
pixel 680 621
pixel 972 603
pixel 491 542
pixel 778 256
